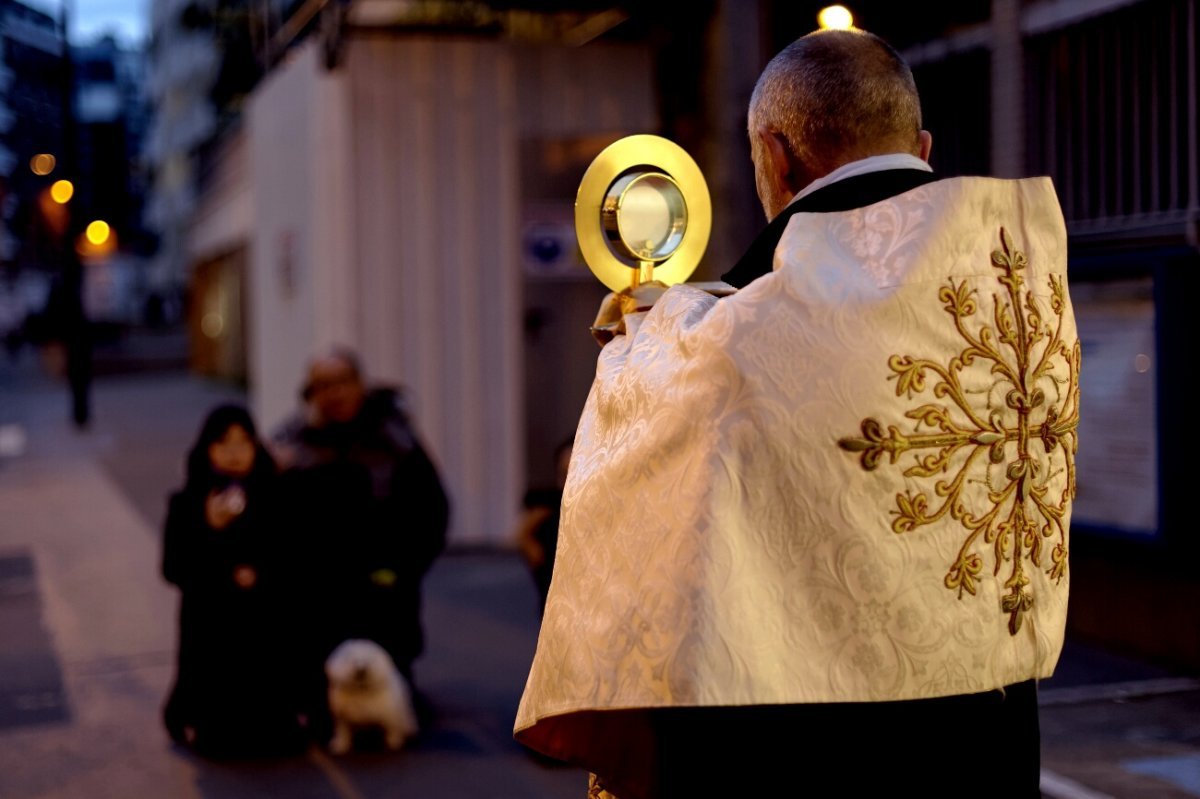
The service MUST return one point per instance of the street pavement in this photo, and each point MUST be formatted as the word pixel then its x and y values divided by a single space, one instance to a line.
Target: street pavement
pixel 87 632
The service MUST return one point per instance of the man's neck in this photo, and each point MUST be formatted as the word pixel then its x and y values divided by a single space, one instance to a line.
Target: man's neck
pixel 863 166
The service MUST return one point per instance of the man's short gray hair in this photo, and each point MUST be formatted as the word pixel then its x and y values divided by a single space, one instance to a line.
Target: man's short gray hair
pixel 837 96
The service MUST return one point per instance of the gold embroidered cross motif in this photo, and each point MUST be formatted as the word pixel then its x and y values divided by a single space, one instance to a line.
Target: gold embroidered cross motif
pixel 984 442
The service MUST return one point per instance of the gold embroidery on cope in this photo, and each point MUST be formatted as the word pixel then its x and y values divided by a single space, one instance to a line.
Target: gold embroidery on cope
pixel 979 442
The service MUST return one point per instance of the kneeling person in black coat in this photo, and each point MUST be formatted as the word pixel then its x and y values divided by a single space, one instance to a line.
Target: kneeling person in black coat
pixel 232 694
pixel 369 509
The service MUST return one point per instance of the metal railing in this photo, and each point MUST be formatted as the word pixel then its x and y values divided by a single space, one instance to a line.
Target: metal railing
pixel 1111 113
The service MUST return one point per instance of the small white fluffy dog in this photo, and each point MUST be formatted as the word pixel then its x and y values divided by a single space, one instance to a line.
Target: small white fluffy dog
pixel 366 690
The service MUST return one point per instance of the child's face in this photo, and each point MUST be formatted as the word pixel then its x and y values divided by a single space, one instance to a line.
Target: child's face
pixel 233 453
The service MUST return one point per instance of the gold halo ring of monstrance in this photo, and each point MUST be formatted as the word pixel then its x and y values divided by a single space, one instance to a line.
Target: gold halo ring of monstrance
pixel 642 213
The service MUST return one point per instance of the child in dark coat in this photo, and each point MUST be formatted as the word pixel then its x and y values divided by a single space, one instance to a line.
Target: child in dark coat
pixel 232 693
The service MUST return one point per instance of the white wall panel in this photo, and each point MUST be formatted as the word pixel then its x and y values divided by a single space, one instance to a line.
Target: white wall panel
pixel 396 180
pixel 224 217
pixel 283 290
pixel 435 152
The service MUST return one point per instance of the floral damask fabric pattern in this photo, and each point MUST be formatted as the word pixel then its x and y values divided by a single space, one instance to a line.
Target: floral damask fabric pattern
pixel 719 547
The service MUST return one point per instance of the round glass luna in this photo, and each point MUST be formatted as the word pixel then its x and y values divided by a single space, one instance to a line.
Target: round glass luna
pixel 645 216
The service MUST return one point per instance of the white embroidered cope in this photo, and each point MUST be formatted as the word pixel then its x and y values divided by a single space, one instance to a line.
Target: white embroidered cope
pixel 717 545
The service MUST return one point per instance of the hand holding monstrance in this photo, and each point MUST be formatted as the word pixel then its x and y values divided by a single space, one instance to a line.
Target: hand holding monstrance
pixel 642 217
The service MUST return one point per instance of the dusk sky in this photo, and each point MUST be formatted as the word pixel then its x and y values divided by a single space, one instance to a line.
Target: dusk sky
pixel 91 18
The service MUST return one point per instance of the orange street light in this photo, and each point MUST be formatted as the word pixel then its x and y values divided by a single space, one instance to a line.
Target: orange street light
pixel 98 240
pixel 62 191
pixel 42 164
pixel 836 18
pixel 98 232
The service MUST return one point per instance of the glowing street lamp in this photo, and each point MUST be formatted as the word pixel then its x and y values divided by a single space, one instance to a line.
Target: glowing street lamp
pixel 42 164
pixel 62 191
pixel 835 18
pixel 98 240
pixel 98 232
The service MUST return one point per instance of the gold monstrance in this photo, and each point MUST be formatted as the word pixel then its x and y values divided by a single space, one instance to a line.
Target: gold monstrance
pixel 642 213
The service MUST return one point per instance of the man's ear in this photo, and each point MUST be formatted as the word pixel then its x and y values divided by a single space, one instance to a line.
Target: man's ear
pixel 925 139
pixel 779 162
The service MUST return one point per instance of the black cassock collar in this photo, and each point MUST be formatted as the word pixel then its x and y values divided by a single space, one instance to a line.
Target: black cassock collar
pixel 844 195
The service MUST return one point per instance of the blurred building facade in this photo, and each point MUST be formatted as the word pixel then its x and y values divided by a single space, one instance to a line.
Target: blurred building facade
pixel 183 59
pixel 75 114
pixel 110 119
pixel 33 90
pixel 33 93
